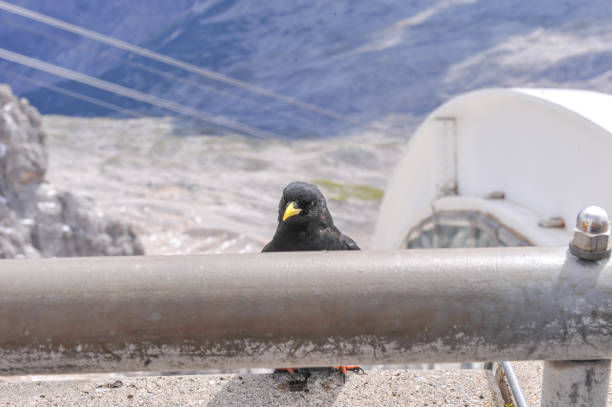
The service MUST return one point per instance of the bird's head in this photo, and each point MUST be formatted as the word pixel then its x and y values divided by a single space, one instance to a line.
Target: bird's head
pixel 303 204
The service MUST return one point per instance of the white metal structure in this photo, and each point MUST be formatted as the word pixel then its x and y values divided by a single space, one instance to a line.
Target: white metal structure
pixel 545 151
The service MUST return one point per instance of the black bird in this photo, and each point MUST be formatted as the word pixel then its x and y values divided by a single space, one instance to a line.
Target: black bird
pixel 305 224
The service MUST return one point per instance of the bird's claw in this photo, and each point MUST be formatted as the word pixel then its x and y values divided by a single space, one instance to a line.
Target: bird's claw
pixel 293 372
pixel 307 371
pixel 344 369
pixel 290 370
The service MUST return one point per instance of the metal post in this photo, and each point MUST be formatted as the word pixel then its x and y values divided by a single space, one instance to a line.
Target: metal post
pixel 574 383
pixel 517 392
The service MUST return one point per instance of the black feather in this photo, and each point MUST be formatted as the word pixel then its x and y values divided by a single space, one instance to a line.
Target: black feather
pixel 312 229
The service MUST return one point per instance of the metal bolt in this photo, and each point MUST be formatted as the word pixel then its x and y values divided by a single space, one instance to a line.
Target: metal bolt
pixel 592 234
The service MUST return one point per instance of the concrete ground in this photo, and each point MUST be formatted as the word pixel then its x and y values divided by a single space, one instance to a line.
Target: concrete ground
pixel 418 388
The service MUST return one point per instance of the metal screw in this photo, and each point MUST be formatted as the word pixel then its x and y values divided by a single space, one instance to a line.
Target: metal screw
pixel 592 234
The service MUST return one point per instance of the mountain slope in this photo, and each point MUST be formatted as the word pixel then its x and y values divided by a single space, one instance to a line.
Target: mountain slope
pixel 359 58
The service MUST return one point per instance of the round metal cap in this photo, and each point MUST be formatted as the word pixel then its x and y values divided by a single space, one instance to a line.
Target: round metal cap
pixel 592 234
pixel 593 219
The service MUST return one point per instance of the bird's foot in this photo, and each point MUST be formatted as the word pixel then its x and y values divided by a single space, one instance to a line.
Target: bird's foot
pixel 295 372
pixel 344 369
pixel 289 370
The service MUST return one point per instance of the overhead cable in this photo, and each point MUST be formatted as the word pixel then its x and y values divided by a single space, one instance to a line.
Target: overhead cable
pixel 54 22
pixel 133 94
pixel 80 96
pixel 168 75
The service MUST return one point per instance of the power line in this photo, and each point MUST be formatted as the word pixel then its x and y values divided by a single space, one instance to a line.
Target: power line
pixel 42 18
pixel 164 74
pixel 132 94
pixel 80 96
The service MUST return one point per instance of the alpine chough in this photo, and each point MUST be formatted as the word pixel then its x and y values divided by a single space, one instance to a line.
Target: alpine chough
pixel 305 224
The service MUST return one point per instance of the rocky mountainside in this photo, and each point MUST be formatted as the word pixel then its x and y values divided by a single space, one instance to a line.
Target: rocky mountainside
pixel 192 194
pixel 360 58
pixel 36 219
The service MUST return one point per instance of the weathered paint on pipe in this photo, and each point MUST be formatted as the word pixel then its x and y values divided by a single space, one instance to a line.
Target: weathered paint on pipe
pixel 302 309
pixel 575 383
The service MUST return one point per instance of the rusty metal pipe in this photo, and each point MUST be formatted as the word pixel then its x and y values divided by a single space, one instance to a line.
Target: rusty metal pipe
pixel 302 309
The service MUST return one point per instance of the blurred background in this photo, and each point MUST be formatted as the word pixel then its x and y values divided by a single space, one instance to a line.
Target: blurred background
pixel 171 127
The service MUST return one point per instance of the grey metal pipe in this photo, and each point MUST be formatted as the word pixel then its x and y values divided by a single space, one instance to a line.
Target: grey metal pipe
pixel 517 392
pixel 302 309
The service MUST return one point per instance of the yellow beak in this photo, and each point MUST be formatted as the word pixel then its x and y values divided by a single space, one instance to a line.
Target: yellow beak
pixel 290 211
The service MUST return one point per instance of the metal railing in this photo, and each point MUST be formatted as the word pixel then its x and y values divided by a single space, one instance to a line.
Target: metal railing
pixel 311 309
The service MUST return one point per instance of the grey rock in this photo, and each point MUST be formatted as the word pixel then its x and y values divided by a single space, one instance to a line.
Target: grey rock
pixel 36 219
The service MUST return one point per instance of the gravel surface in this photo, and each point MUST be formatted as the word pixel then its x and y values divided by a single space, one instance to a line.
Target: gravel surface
pixel 529 375
pixel 376 388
